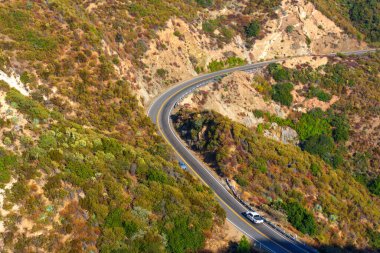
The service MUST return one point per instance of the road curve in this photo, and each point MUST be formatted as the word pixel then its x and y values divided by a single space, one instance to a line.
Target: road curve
pixel 160 111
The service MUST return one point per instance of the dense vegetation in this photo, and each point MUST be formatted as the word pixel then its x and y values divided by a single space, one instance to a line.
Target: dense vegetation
pixel 356 16
pixel 253 29
pixel 134 201
pixel 300 218
pixel 291 184
pixel 226 32
pixel 91 173
pixel 355 80
pixel 230 62
pixel 281 92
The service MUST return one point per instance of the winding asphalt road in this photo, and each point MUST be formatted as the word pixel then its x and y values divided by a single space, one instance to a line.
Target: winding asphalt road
pixel 263 235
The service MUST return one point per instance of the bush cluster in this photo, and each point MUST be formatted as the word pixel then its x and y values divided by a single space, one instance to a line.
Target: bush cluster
pixel 279 175
pixel 281 92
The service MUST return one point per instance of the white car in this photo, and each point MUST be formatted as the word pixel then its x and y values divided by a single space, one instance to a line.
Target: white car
pixel 254 217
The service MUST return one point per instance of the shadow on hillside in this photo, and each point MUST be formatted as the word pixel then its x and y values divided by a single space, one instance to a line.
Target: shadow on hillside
pixel 347 249
pixel 233 246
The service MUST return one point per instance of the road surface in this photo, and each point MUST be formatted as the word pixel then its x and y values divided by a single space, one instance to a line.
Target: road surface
pixel 160 110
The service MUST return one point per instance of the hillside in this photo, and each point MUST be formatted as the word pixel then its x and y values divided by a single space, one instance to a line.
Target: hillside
pixel 357 17
pixel 82 168
pixel 73 47
pixel 283 180
pixel 345 86
pixel 69 188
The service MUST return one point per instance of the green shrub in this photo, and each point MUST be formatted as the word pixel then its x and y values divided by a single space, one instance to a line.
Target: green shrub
pixel 261 165
pixel 209 26
pixel 114 218
pixel 241 181
pixel 244 246
pixel 216 65
pixel 7 141
pixel 311 124
pixel 205 3
pixel 230 62
pixel 374 238
pixel 56 155
pixel 253 29
pixel 320 94
pixel 258 113
pixel 300 218
pixel 308 41
pixel 278 72
pixel 110 145
pixel 27 105
pixel 315 170
pixel 25 77
pixel 227 34
pixel 322 145
pixel 81 169
pixel 40 43
pixel 5 175
pixel 289 29
pixel 281 92
pixel 178 34
pixel 341 127
pixel 130 228
pixel 162 73
pixel 156 175
pixel 234 61
pixel 182 237
pixel 374 186
pixel 47 141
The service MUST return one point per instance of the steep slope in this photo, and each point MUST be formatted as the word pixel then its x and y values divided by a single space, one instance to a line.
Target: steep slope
pixel 360 18
pixel 69 188
pixel 290 184
pixel 108 183
pixel 183 48
pixel 84 62
pixel 346 86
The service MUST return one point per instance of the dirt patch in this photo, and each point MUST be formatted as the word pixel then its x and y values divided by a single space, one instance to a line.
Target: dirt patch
pixel 222 236
pixel 312 61
pixel 301 30
pixel 234 97
pixel 18 125
pixel 303 104
pixel 181 46
pixel 13 80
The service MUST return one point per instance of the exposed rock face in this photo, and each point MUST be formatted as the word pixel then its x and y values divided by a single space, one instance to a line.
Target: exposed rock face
pixel 289 135
pixel 178 55
pixel 235 97
pixel 285 135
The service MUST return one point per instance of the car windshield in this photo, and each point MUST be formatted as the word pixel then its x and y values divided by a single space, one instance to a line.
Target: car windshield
pixel 257 217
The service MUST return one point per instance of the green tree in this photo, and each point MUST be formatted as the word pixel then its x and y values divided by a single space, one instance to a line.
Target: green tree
pixel 278 72
pixel 374 186
pixel 322 145
pixel 244 246
pixel 341 127
pixel 253 29
pixel 300 218
pixel 281 93
pixel 205 3
pixel 289 29
pixel 313 123
pixel 374 238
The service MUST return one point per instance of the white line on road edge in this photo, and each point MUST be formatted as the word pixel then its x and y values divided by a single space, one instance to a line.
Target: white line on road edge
pixel 261 245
